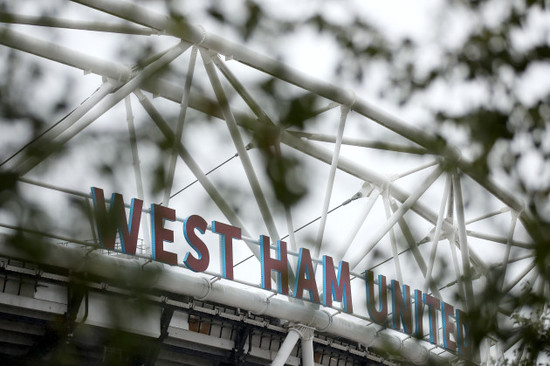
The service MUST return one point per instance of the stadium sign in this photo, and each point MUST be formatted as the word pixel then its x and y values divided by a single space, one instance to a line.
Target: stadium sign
pixel 336 280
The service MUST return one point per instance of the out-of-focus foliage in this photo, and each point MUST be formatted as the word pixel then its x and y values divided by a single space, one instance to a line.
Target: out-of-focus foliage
pixel 501 56
pixel 490 71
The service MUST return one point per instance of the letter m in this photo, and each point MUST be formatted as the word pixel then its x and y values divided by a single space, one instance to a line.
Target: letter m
pixel 336 287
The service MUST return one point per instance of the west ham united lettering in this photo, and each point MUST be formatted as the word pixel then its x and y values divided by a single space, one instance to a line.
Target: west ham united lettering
pixel 409 310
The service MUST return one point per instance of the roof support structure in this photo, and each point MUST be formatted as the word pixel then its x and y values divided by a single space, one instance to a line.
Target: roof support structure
pixel 104 105
pixel 64 55
pixel 409 202
pixel 393 240
pixel 510 239
pixel 191 33
pixel 360 143
pixel 195 169
pixel 437 233
pixel 370 176
pixel 344 110
pixel 346 244
pixel 46 139
pixel 137 170
pixel 179 128
pixel 463 240
pixel 239 145
pixel 136 14
pixel 292 337
pixel 121 81
pixel 95 26
pixel 307 346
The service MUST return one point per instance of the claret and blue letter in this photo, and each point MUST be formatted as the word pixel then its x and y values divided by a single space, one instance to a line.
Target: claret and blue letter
pixel 446 326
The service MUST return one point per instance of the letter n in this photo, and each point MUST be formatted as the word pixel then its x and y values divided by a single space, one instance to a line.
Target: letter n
pixel 401 307
pixel 378 316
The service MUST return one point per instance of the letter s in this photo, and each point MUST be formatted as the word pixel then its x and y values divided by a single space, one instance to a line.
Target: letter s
pixel 199 264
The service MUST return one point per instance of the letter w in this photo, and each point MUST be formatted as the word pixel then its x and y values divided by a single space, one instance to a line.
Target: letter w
pixel 108 222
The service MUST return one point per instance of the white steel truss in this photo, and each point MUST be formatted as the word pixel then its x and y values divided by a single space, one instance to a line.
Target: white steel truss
pixel 389 222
